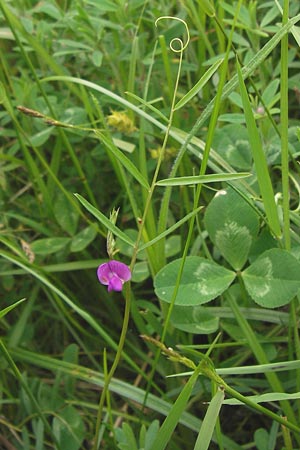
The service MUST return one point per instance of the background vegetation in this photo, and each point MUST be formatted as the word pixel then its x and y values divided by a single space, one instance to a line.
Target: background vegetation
pixel 150 108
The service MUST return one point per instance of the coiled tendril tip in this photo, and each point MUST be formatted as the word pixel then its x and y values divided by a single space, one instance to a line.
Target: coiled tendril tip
pixel 176 39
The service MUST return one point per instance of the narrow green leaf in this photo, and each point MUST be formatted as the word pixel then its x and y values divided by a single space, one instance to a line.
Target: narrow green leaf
pixel 122 159
pixel 199 85
pixel 254 369
pixel 104 220
pixel 4 311
pixel 170 230
pixel 260 368
pixel 209 422
pixel 124 145
pixel 260 160
pixel 269 397
pixel 149 106
pixel 202 179
pixel 166 430
pixel 207 7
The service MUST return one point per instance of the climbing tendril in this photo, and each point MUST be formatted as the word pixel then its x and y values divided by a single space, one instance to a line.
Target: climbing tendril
pixel 177 40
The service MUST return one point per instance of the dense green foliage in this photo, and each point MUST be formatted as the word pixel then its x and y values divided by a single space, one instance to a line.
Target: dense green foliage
pixel 165 135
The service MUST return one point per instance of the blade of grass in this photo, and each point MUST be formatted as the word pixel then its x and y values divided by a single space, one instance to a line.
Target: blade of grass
pixel 149 106
pixel 166 430
pixel 122 159
pixel 260 162
pixel 209 422
pixel 104 220
pixel 171 229
pixel 269 397
pixel 247 370
pixel 4 311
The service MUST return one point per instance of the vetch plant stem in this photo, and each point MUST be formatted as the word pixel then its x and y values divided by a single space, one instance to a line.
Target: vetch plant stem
pixel 141 223
pixel 284 117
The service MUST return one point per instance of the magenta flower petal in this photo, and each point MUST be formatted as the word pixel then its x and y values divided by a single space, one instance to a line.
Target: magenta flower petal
pixel 113 274
pixel 115 284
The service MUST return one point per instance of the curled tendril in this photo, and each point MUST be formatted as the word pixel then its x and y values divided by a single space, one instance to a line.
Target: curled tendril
pixel 177 40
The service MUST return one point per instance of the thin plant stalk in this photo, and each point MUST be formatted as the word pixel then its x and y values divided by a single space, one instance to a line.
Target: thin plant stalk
pixel 133 260
pixel 284 118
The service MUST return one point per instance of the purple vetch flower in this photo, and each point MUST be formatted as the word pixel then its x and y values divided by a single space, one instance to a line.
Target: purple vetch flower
pixel 113 274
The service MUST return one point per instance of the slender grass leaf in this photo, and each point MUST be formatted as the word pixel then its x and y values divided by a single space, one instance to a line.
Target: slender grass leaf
pixel 104 220
pixel 171 229
pixel 199 85
pixel 149 106
pixel 122 159
pixel 166 430
pixel 207 7
pixel 124 145
pixel 270 397
pixel 4 311
pixel 260 160
pixel 61 267
pixel 209 422
pixel 254 369
pixel 260 368
pixel 203 179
